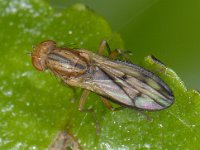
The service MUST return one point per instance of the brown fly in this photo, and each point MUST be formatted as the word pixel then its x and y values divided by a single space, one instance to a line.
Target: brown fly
pixel 123 83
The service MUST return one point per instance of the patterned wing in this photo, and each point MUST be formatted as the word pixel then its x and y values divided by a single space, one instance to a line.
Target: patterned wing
pixel 138 87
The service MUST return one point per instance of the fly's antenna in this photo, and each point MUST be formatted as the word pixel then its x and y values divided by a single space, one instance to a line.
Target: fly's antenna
pixel 29 53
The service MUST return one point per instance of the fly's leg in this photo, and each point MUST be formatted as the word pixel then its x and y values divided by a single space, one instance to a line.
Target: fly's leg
pixel 102 46
pixel 82 101
pixel 109 106
pixel 107 103
pixel 113 54
pixel 85 93
pixel 122 55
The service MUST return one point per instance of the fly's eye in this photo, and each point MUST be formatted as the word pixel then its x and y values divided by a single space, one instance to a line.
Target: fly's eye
pixel 38 63
pixel 40 53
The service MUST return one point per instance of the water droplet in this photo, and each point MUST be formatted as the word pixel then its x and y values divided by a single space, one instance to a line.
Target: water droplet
pixel 147 145
pixel 8 93
pixel 27 104
pixel 70 32
pixel 160 125
pixel 33 147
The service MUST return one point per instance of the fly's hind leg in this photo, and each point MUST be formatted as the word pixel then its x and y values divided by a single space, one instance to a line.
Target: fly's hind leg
pixel 109 105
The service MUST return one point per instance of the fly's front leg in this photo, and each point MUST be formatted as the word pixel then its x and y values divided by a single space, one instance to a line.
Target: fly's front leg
pixel 82 101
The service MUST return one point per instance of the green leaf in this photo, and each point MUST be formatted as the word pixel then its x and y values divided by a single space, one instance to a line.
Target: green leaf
pixel 35 107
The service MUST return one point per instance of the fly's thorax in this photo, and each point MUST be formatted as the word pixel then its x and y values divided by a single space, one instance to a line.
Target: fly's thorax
pixel 40 53
pixel 66 63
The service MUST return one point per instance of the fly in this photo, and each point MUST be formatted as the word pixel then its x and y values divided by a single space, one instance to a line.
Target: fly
pixel 126 84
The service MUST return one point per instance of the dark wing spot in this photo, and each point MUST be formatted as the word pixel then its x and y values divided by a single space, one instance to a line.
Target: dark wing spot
pixel 124 77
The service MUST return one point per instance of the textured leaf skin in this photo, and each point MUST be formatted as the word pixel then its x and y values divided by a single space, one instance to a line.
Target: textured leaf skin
pixel 35 107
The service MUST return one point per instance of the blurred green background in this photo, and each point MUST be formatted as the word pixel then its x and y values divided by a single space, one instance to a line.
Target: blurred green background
pixel 168 29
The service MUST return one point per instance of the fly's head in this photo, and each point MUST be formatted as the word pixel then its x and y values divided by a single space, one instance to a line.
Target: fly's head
pixel 40 52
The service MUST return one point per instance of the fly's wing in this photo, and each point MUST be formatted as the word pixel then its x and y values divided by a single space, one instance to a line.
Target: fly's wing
pixel 133 86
